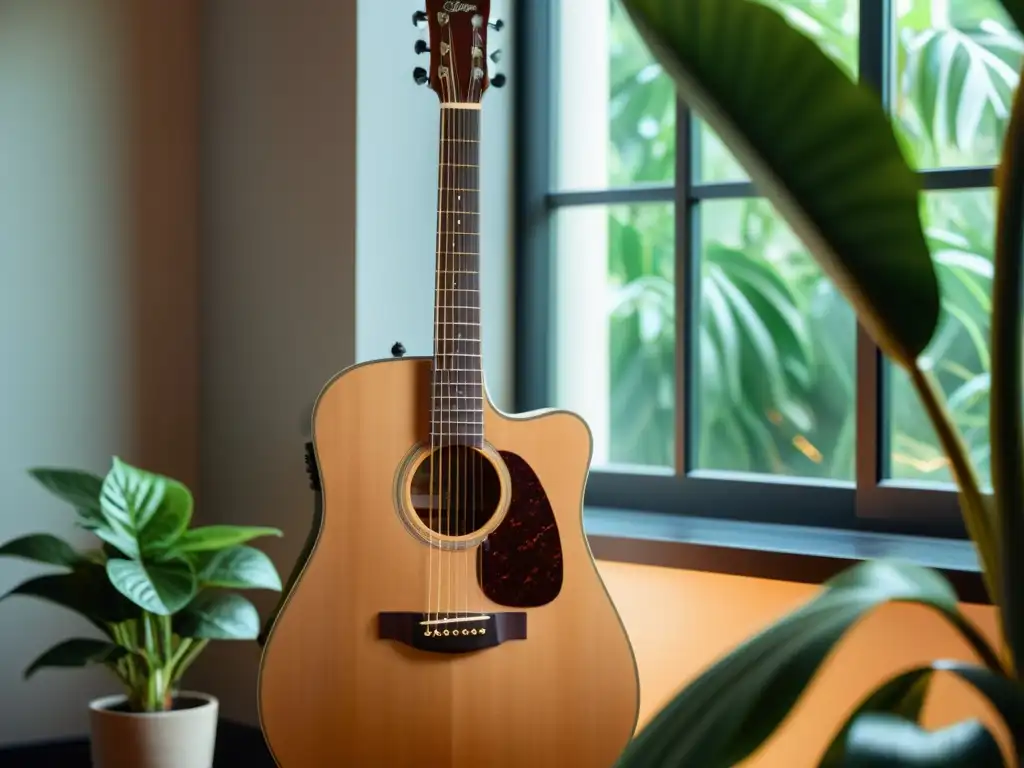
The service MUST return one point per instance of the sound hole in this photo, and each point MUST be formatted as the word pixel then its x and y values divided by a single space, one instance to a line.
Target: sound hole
pixel 455 490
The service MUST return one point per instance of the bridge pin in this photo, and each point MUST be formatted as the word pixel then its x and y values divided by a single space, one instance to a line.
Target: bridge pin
pixel 446 633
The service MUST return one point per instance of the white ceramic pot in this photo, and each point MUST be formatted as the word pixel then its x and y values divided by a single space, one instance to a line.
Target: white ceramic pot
pixel 181 738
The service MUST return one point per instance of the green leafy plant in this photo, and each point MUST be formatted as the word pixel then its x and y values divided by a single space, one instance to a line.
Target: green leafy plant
pixel 822 149
pixel 154 587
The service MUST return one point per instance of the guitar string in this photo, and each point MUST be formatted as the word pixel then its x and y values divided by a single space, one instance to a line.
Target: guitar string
pixel 452 437
pixel 462 336
pixel 473 331
pixel 431 487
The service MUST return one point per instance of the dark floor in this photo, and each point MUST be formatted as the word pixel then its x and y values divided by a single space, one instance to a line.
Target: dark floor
pixel 236 745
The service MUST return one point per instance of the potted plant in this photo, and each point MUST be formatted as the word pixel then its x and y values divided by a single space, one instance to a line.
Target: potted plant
pixel 156 589
pixel 822 149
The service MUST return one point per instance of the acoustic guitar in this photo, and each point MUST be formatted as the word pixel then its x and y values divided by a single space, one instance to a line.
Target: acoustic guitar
pixel 450 612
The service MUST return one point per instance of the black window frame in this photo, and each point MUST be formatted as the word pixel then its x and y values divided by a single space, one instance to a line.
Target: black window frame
pixel 869 503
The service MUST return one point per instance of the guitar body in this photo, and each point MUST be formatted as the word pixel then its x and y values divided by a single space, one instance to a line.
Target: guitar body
pixel 334 692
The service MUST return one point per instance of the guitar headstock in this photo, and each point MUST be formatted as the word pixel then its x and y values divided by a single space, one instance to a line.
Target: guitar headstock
pixel 458 70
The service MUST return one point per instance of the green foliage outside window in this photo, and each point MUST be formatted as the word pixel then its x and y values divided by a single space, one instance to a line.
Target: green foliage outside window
pixel 775 383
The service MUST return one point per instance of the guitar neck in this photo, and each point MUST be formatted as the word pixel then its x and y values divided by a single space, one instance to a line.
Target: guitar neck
pixel 457 408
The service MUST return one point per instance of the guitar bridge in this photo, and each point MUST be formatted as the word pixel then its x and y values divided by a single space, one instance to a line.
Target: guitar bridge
pixel 455 632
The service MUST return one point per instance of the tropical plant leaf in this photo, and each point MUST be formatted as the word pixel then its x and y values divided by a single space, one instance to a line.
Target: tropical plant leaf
pixel 732 708
pixel 1015 10
pixel 77 652
pixel 881 740
pixel 1006 414
pixel 86 591
pixel 150 509
pixel 79 489
pixel 218 616
pixel 217 537
pixel 162 588
pixel 903 695
pixel 818 145
pixel 237 568
pixel 862 739
pixel 956 80
pixel 42 548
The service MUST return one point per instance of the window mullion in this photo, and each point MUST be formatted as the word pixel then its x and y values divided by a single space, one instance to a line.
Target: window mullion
pixel 687 288
pixel 534 273
pixel 872 67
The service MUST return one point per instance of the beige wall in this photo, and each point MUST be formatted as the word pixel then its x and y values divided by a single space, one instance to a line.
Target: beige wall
pixel 278 276
pixel 98 259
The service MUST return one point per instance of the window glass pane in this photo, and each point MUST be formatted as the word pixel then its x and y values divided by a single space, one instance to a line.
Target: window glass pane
pixel 615 329
pixel 956 69
pixel 616 107
pixel 776 353
pixel 833 25
pixel 960 230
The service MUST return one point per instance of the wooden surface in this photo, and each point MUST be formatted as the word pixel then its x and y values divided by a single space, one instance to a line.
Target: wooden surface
pixel 331 693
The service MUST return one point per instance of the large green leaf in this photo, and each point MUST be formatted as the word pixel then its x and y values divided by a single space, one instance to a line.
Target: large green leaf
pixel 218 616
pixel 879 740
pixel 42 548
pixel 903 695
pixel 215 537
pixel 867 740
pixel 149 509
pixel 77 652
pixel 163 587
pixel 728 711
pixel 237 568
pixel 1006 415
pixel 818 145
pixel 86 590
pixel 79 489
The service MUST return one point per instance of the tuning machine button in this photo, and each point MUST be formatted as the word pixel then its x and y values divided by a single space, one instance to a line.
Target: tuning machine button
pixel 498 81
pixel 496 25
pixel 418 18
pixel 419 75
pixel 421 46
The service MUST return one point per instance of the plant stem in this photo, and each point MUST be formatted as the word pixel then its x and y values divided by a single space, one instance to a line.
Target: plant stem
pixel 973 506
pixel 1005 408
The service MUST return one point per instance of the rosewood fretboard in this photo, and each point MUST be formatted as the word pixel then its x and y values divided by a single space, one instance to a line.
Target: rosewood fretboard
pixel 457 407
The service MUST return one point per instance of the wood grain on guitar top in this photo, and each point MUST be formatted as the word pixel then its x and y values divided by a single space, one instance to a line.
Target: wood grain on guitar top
pixel 331 693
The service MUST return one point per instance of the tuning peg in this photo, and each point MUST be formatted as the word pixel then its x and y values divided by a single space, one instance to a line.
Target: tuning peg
pixel 498 80
pixel 496 56
pixel 496 25
pixel 421 46
pixel 418 17
pixel 419 75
